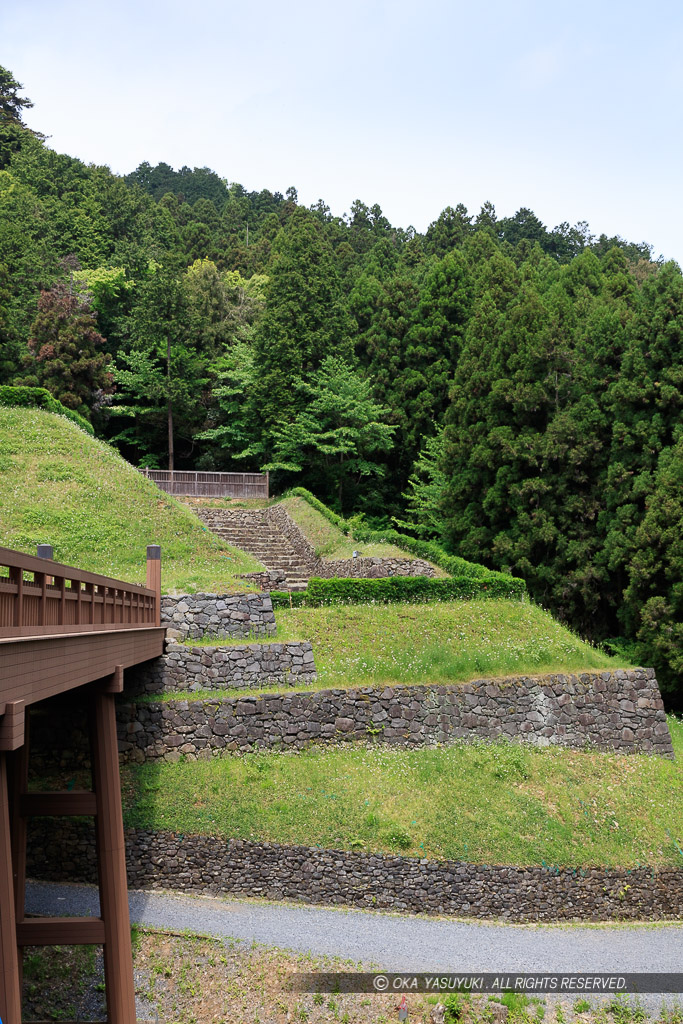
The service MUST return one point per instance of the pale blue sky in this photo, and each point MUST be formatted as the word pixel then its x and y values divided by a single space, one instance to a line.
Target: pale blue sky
pixel 572 109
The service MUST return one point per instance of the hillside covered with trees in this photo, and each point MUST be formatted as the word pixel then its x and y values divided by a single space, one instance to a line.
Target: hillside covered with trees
pixel 512 390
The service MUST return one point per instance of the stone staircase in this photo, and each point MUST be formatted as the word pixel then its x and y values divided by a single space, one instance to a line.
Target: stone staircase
pixel 256 531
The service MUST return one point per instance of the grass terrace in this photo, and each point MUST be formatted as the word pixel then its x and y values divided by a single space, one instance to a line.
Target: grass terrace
pixel 496 803
pixel 441 642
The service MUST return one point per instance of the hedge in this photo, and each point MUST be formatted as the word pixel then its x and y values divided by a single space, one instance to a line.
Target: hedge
pixel 319 506
pixel 40 398
pixel 400 589
pixel 427 549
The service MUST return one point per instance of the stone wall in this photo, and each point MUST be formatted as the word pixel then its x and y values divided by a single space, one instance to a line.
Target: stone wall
pixel 280 519
pixel 361 568
pixel 271 579
pixel 213 668
pixel 620 710
pixel 198 615
pixel 369 568
pixel 65 850
pixel 277 517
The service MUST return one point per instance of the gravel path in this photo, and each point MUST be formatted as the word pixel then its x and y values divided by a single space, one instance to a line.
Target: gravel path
pixel 392 942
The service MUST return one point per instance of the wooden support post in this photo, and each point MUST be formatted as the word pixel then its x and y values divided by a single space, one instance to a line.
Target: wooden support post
pixel 18 786
pixel 111 862
pixel 10 989
pixel 154 577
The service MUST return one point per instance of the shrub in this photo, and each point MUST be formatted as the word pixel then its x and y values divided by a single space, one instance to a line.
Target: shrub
pixel 427 549
pixel 40 398
pixel 400 589
pixel 288 599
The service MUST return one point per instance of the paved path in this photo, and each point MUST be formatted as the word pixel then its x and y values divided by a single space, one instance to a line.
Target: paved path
pixel 390 941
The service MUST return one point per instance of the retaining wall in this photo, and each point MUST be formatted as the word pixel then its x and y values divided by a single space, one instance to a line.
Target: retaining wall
pixel 65 850
pixel 620 710
pixel 198 615
pixel 279 519
pixel 213 668
pixel 369 568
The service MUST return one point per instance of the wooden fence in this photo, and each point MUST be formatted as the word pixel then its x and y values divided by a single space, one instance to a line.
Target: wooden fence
pixel 40 597
pixel 210 485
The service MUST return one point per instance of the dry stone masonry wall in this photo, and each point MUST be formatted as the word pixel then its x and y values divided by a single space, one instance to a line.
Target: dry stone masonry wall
pixel 250 524
pixel 369 568
pixel 620 710
pixel 215 866
pixel 197 615
pixel 189 668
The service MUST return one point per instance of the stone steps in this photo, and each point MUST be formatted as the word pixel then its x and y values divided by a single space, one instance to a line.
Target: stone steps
pixel 260 537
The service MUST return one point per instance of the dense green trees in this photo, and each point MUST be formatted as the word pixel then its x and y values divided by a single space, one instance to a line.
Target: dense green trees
pixel 339 433
pixel 65 354
pixel 513 390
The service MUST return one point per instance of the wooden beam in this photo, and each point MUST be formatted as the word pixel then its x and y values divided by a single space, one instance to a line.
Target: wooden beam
pixel 114 684
pixel 34 669
pixel 111 862
pixel 77 802
pixel 13 725
pixel 60 931
pixel 17 764
pixel 10 989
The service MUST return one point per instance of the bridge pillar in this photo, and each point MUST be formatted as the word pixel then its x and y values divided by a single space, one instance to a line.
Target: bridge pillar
pixel 111 856
pixel 10 989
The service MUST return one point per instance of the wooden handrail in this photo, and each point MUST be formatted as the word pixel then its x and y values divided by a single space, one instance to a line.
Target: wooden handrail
pixel 30 563
pixel 62 599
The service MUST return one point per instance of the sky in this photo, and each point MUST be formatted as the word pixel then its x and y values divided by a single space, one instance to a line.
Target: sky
pixel 571 109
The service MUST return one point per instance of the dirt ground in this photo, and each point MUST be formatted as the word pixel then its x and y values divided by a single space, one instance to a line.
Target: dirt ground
pixel 187 979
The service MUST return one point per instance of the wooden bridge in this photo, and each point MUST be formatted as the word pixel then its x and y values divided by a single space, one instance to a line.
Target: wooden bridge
pixel 63 629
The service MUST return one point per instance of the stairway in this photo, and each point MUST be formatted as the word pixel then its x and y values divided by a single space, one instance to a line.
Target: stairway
pixel 254 531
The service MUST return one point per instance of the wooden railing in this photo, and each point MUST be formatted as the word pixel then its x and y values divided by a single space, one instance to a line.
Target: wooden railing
pixel 210 485
pixel 40 597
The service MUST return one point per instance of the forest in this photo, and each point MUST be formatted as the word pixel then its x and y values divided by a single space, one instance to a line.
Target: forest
pixel 510 390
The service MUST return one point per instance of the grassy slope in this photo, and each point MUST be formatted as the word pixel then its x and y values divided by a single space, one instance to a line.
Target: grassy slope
pixel 492 804
pixel 329 541
pixel 59 486
pixel 439 642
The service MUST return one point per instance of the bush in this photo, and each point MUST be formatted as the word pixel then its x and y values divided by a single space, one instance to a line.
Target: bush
pixel 40 398
pixel 394 589
pixel 427 549
pixel 288 599
pixel 456 1004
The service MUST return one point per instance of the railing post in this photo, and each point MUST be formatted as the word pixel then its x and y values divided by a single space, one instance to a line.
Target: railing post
pixel 267 485
pixel 154 577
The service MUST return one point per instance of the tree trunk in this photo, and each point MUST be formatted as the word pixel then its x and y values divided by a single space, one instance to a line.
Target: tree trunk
pixel 169 404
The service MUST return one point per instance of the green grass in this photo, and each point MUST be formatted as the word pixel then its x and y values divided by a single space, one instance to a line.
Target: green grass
pixel 439 642
pixel 59 486
pixel 483 803
pixel 328 540
pixel 442 642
